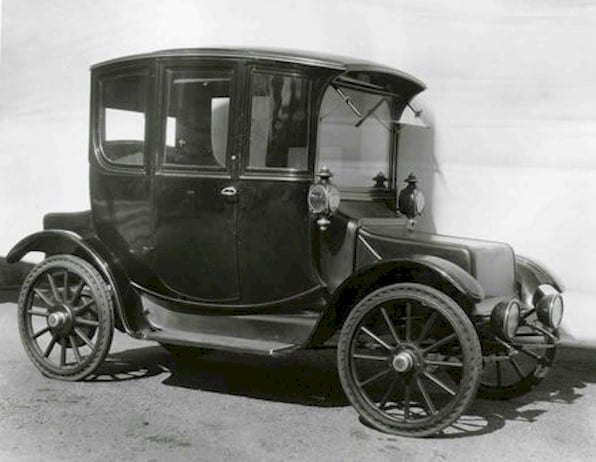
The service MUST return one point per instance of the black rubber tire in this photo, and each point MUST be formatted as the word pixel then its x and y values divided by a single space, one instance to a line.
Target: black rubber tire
pixel 98 291
pixel 530 373
pixel 470 351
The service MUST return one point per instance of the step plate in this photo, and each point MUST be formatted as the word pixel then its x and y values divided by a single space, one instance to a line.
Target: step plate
pixel 221 342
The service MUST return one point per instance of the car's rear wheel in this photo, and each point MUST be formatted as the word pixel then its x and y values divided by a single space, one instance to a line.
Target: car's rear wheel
pixel 65 317
pixel 395 352
pixel 514 367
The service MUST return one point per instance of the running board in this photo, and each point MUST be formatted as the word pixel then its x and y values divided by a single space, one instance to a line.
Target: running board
pixel 221 342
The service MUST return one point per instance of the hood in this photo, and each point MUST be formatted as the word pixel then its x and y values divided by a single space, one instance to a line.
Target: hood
pixel 491 263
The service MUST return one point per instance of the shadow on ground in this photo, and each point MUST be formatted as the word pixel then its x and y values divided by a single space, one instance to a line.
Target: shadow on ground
pixel 310 378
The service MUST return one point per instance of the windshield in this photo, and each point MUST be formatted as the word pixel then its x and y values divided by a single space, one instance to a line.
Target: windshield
pixel 355 138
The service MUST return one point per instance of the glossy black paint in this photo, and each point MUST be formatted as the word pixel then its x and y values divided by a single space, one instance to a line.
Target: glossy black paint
pixel 252 272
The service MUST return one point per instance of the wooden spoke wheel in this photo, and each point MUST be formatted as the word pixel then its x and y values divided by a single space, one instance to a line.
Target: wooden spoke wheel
pixel 65 317
pixel 395 354
pixel 514 367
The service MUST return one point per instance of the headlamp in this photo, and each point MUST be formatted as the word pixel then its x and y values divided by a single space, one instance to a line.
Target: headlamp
pixel 505 318
pixel 549 306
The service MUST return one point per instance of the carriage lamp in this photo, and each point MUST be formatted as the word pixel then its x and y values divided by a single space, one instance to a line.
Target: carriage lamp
pixel 505 318
pixel 411 200
pixel 549 306
pixel 323 198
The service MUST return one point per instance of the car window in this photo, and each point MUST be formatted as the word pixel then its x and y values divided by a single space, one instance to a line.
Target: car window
pixel 356 148
pixel 279 122
pixel 197 119
pixel 122 118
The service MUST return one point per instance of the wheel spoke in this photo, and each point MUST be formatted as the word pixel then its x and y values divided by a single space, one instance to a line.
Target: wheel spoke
pixel 66 288
pixel 427 325
pixel 377 376
pixel 33 312
pixel 62 352
pixel 375 338
pixel 43 297
pixel 388 393
pixel 439 382
pixel 91 323
pixel 84 338
pixel 408 322
pixel 444 363
pixel 85 306
pixel 356 355
pixel 517 367
pixel 440 343
pixel 54 288
pixel 75 348
pixel 41 332
pixel 50 346
pixel 390 325
pixel 429 403
pixel 407 402
pixel 77 292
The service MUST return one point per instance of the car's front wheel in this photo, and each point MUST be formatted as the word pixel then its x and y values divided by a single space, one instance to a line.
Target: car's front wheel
pixel 65 317
pixel 395 354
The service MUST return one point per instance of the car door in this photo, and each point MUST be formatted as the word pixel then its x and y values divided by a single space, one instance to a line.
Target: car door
pixel 194 189
pixel 274 226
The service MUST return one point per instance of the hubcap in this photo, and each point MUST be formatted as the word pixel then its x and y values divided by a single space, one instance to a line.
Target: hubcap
pixel 403 361
pixel 57 319
pixel 61 320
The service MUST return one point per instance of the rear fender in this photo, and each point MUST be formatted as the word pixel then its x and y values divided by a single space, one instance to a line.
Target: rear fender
pixel 59 241
pixel 429 270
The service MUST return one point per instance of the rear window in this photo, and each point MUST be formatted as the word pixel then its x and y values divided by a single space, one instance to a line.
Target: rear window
pixel 122 118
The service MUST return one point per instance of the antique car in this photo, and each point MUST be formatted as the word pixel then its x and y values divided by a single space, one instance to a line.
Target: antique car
pixel 251 200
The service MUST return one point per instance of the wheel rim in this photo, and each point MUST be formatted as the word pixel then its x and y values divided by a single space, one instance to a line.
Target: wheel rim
pixel 61 320
pixel 401 354
pixel 526 357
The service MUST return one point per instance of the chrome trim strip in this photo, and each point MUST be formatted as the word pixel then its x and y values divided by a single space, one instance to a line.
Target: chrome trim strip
pixel 369 247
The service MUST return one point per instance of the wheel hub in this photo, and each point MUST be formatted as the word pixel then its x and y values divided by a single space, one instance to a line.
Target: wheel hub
pixel 61 320
pixel 403 361
pixel 57 319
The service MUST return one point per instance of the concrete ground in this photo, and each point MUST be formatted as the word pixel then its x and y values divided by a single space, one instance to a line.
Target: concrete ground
pixel 228 407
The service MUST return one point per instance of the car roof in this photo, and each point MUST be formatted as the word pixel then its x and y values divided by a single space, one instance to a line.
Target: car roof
pixel 349 66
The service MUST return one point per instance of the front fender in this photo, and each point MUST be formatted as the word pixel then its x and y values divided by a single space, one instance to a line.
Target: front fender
pixel 463 281
pixel 59 241
pixel 529 274
pixel 433 271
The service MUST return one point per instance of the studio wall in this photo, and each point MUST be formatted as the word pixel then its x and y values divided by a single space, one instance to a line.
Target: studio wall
pixel 511 84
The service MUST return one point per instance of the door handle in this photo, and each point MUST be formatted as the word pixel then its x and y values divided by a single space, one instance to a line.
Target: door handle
pixel 229 191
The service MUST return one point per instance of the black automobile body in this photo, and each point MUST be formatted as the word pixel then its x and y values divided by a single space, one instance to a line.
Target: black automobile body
pixel 247 200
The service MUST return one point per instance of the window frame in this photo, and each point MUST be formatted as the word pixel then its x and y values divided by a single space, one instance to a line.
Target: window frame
pixel 168 72
pixel 280 173
pixel 98 118
pixel 371 193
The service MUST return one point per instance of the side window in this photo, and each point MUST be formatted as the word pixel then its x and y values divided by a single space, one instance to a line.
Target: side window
pixel 122 118
pixel 197 119
pixel 279 122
